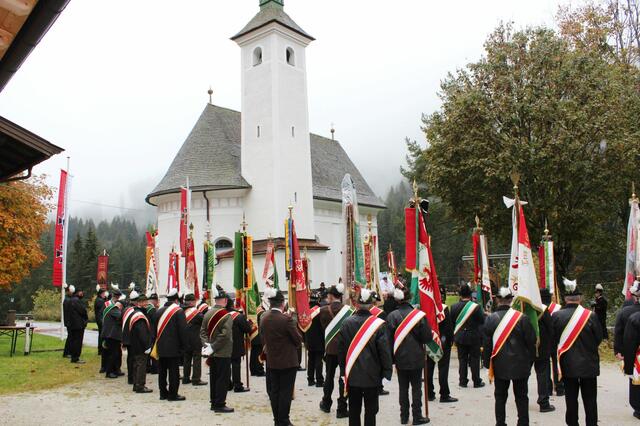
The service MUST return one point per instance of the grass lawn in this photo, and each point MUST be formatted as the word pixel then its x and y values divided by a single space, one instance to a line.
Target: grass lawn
pixel 42 370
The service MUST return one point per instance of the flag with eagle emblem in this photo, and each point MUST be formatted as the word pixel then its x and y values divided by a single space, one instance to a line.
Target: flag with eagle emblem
pixel 424 280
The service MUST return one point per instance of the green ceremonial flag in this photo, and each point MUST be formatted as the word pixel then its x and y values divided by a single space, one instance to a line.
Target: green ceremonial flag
pixel 209 263
pixel 238 263
pixel 253 300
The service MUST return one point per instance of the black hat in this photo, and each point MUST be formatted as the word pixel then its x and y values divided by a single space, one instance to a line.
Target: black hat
pixel 278 297
pixel 116 292
pixel 220 293
pixel 189 297
pixel 465 290
pixel 336 290
pixel 153 296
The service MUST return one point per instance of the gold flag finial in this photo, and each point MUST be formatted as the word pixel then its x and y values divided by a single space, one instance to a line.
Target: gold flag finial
pixel 477 222
pixel 290 211
pixel 515 178
pixel 415 192
pixel 244 222
pixel 633 191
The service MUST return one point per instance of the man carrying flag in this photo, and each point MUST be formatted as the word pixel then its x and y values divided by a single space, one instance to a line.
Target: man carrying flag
pixel 509 351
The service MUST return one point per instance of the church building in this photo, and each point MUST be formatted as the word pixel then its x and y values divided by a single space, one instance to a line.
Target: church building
pixel 258 162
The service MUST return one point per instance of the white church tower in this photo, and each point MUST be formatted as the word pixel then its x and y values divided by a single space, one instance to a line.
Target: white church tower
pixel 275 141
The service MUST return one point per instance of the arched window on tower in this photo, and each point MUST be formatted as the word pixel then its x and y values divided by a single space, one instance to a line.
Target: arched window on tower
pixel 257 56
pixel 291 57
pixel 223 244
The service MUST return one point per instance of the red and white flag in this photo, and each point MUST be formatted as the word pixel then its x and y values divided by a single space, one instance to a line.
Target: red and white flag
pixel 268 272
pixel 190 273
pixel 173 280
pixel 60 242
pixel 185 204
pixel 632 266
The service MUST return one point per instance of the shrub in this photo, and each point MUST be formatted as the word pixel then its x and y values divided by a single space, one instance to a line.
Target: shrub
pixel 46 305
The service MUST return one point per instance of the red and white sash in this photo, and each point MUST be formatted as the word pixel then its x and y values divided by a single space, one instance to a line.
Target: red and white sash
pixel 215 320
pixel 405 327
pixel 571 332
pixel 203 307
pixel 360 340
pixel 313 312
pixel 553 308
pixel 135 317
pixel 190 314
pixel 375 311
pixel 125 316
pixel 234 314
pixel 501 335
pixel 635 378
pixel 165 318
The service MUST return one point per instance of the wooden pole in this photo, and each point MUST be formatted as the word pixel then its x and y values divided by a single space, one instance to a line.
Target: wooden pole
pixel 246 358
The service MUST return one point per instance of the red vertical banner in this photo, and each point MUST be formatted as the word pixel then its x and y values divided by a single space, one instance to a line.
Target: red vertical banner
pixel 103 269
pixel 542 266
pixel 475 239
pixel 299 283
pixel 173 281
pixel 190 273
pixel 184 219
pixel 59 242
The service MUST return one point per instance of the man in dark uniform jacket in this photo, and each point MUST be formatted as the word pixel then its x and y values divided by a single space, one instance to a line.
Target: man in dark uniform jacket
pixel 77 322
pixel 513 362
pixel 468 339
pixel 241 328
pixel 372 364
pixel 218 345
pixel 327 313
pixel 127 311
pixel 281 339
pixel 314 342
pixel 140 341
pixel 618 338
pixel 112 330
pixel 446 338
pixel 600 308
pixel 193 349
pixel 542 362
pixel 65 313
pixel 98 308
pixel 631 346
pixel 580 364
pixel 170 347
pixel 409 357
pixel 152 307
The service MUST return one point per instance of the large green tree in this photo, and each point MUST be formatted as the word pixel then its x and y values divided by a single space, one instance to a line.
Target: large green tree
pixel 564 118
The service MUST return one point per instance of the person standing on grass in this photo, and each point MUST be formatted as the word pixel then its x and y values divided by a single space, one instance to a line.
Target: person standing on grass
pixel 77 322
pixel 510 348
pixel 65 313
pixel 140 341
pixel 577 335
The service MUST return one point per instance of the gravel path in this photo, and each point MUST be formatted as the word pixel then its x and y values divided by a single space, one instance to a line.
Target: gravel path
pixel 109 402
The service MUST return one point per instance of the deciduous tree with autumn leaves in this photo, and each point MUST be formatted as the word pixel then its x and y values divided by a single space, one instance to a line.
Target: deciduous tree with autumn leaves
pixel 24 206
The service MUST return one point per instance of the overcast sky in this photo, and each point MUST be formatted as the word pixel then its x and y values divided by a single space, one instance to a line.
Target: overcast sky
pixel 119 84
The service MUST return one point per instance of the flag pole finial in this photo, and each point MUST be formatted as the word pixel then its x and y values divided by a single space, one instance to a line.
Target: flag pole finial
pixel 515 178
pixel 210 92
pixel 244 222
pixel 369 222
pixel 478 228
pixel 290 211
pixel 634 197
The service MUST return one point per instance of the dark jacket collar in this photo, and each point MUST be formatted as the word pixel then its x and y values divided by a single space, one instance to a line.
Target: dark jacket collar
pixel 502 308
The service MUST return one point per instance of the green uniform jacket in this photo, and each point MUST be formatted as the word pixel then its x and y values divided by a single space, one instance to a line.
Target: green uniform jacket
pixel 222 339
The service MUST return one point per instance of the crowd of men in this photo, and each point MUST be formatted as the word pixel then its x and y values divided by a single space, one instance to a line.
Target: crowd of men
pixel 357 344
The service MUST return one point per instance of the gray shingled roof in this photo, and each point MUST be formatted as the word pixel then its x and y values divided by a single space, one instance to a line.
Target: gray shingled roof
pixel 210 156
pixel 269 13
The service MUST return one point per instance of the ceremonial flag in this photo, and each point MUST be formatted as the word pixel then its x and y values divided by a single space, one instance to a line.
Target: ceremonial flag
pixel 297 278
pixel 151 264
pixel 527 299
pixel 173 280
pixel 632 266
pixel 190 272
pixel 103 268
pixel 371 261
pixel 424 280
pixel 270 271
pixel 353 267
pixel 484 257
pixel 546 260
pixel 477 275
pixel 208 269
pixel 60 242
pixel 481 276
pixel 242 267
pixel 253 300
pixel 185 204
pixel 391 265
pixel 513 260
